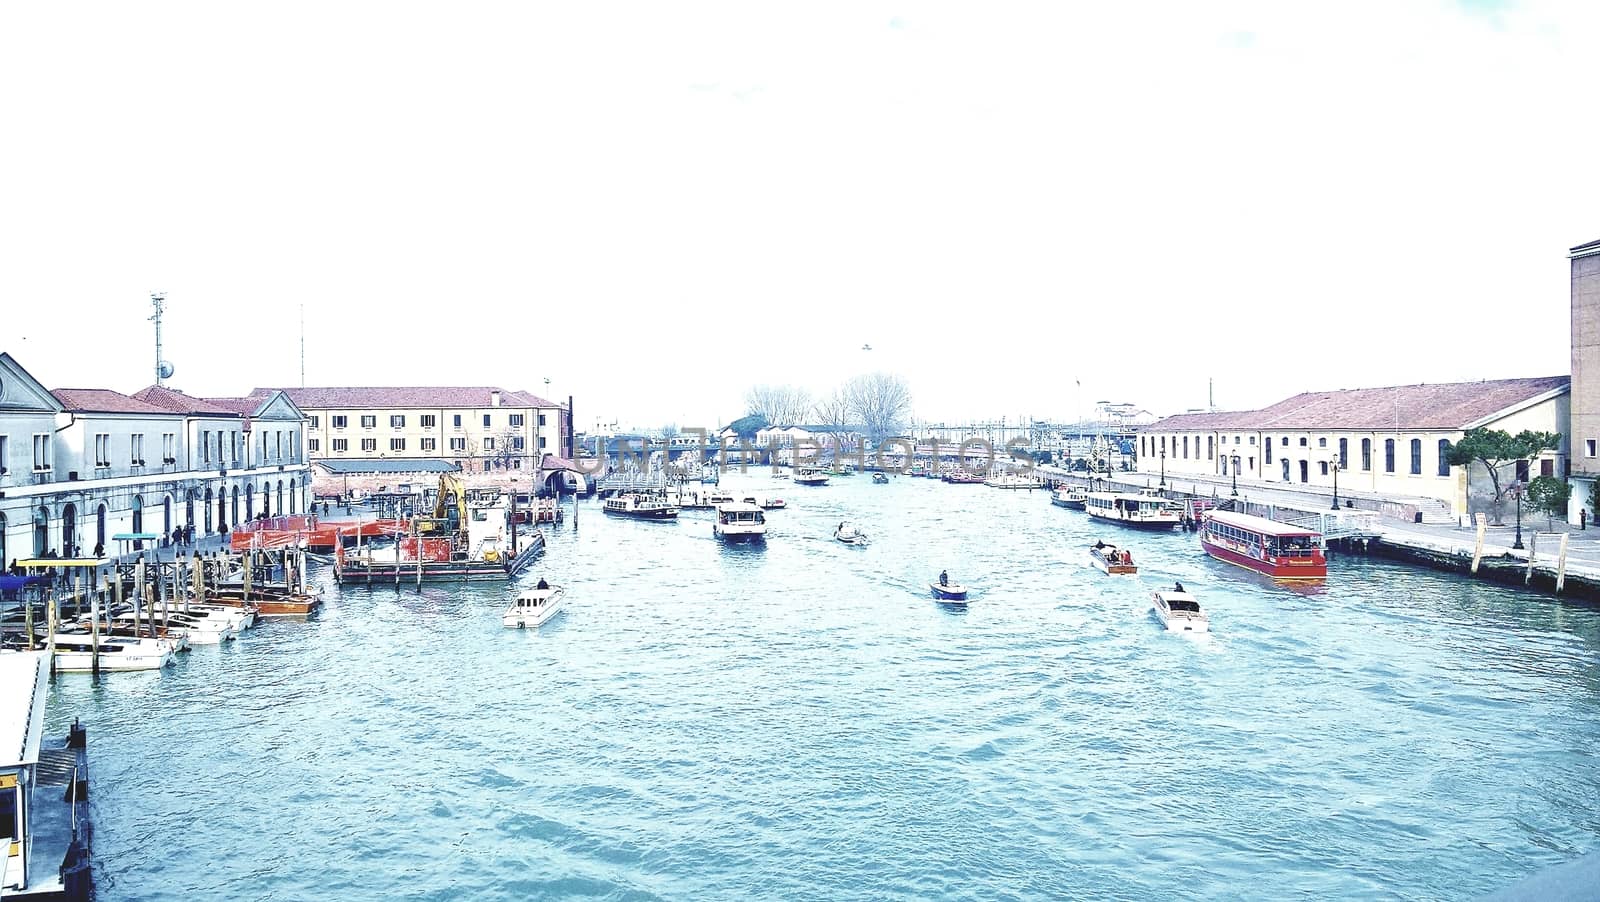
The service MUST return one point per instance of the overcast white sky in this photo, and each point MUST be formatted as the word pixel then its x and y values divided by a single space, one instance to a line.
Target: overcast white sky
pixel 655 205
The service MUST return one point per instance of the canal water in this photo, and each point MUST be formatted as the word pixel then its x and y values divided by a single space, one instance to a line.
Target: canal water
pixel 802 720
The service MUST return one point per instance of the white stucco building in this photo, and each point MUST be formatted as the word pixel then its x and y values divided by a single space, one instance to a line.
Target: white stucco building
pixel 78 466
pixel 1387 441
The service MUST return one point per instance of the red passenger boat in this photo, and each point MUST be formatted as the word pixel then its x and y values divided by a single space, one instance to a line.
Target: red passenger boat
pixel 1278 550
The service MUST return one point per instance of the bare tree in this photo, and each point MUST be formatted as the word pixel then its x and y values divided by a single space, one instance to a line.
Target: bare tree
pixel 834 411
pixel 880 402
pixel 782 405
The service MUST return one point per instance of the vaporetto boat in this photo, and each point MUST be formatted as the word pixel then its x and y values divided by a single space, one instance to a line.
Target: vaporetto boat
pixel 740 521
pixel 1144 511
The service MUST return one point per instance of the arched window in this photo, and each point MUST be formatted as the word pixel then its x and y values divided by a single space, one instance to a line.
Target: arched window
pixel 205 511
pixel 1388 455
pixel 69 530
pixel 1444 457
pixel 294 500
pixel 249 501
pixel 166 515
pixel 279 504
pixel 41 531
pixel 1366 454
pixel 99 528
pixel 235 506
pixel 4 561
pixel 266 499
pixel 1344 454
pixel 1416 457
pixel 188 506
pixel 222 509
pixel 138 521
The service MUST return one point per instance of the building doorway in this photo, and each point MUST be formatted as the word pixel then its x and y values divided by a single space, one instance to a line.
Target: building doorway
pixel 1305 471
pixel 69 531
pixel 41 531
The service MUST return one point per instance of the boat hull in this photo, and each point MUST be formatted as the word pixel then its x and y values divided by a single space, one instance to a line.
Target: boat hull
pixel 1162 523
pixel 1287 570
pixel 532 621
pixel 659 514
pixel 953 594
pixel 1182 624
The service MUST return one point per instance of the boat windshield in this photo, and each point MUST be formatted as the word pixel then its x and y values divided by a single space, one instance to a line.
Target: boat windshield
pixel 1292 546
pixel 1183 604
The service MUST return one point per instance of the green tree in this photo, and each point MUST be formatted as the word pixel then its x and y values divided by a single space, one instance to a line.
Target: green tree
pixel 746 427
pixel 1549 495
pixel 1494 449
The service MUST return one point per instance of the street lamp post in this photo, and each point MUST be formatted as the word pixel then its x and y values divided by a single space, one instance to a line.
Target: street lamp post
pixel 1163 469
pixel 1234 472
pixel 1516 489
pixel 1335 465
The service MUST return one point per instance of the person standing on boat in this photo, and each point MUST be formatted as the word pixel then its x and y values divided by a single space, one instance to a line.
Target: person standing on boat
pixel 944 577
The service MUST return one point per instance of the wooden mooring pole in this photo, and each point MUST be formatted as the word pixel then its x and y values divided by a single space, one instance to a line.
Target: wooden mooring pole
pixel 1561 564
pixel 1477 551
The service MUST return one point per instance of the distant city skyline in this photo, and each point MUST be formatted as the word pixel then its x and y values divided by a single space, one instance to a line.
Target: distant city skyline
pixel 656 208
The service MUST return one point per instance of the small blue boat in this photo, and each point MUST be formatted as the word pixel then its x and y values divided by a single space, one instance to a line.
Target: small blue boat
pixel 949 591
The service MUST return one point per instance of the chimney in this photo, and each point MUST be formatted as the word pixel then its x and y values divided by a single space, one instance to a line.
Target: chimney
pixel 494 397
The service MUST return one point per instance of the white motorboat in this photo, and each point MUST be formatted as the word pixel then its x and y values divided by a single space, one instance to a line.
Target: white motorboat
pixel 850 535
pixel 533 607
pixel 640 506
pixel 1180 612
pixel 75 652
pixel 199 630
pixel 1014 481
pixel 1111 560
pixel 1071 497
pixel 809 476
pixel 738 521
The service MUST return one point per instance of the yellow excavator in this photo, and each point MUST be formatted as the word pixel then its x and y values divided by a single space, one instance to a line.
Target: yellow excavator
pixel 449 512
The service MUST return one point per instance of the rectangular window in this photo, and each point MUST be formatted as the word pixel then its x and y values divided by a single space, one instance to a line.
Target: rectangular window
pixel 1590 447
pixel 397 421
pixel 341 445
pixel 541 419
pixel 102 449
pixel 458 444
pixel 4 457
pixel 486 421
pixel 135 450
pixel 1522 471
pixel 488 443
pixel 1444 457
pixel 313 445
pixel 1186 447
pixel 368 421
pixel 429 421
pixel 340 422
pixel 397 444
pixel 515 419
pixel 169 451
pixel 457 418
pixel 517 443
pixel 1547 467
pixel 1236 440
pixel 1211 447
pixel 369 444
pixel 277 445
pixel 541 443
pixel 1322 441
pixel 1324 465
pixel 1388 455
pixel 1366 454
pixel 430 444
pixel 1269 450
pixel 1416 457
pixel 315 421
pixel 1344 454
pixel 1302 441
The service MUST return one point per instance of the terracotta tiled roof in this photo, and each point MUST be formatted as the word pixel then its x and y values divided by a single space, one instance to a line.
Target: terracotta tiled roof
pixel 175 401
pixel 1448 406
pixel 103 400
pixel 414 396
pixel 242 406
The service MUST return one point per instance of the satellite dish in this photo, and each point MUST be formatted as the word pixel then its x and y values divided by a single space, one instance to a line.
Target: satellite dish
pixel 165 369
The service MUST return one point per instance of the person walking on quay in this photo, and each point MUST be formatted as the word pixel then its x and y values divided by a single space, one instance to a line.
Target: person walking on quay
pixel 99 550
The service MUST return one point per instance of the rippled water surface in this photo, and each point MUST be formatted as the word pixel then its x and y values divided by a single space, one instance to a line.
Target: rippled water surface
pixel 801 720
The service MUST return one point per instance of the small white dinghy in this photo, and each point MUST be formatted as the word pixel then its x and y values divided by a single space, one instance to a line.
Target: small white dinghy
pixel 850 535
pixel 533 607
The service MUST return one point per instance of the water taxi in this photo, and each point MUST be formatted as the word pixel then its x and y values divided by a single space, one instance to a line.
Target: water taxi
pixel 1180 612
pixel 1144 511
pixel 1278 550
pixel 740 521
pixel 534 606
pixel 75 652
pixel 774 504
pixel 1112 560
pixel 642 507
pixel 809 476
pixel 1071 497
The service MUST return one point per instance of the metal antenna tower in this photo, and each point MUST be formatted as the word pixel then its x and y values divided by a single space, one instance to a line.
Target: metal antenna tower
pixel 158 300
